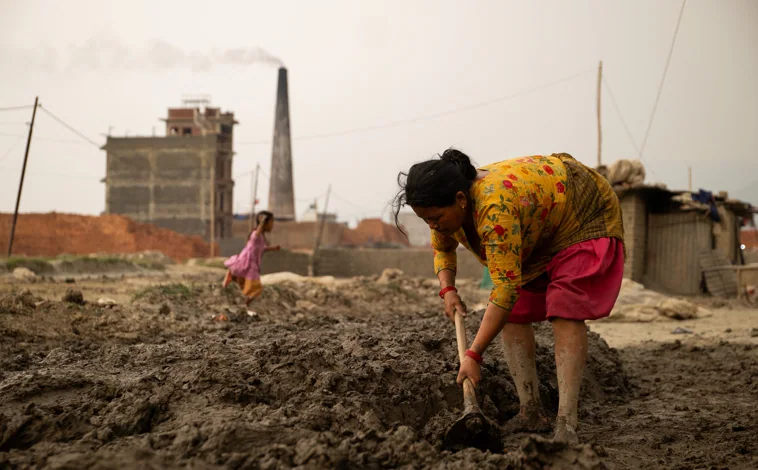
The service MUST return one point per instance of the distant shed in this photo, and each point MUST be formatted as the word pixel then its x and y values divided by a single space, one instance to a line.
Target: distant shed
pixel 667 232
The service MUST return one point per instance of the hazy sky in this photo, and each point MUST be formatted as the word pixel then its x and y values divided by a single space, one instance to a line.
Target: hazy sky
pixel 361 64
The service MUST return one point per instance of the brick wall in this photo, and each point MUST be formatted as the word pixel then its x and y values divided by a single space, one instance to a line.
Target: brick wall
pixel 634 215
pixel 285 261
pixel 339 262
pixel 230 246
pixel 295 235
pixel 366 262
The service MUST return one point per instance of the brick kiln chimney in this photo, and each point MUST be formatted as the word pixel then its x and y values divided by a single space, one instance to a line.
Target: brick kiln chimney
pixel 281 194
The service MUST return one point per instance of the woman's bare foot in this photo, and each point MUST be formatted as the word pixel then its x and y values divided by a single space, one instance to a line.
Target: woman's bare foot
pixel 565 432
pixel 528 420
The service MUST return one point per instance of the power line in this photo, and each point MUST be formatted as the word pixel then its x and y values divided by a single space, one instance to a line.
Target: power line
pixel 311 199
pixel 17 108
pixel 238 175
pixel 347 201
pixel 61 141
pixel 626 127
pixel 46 139
pixel 60 121
pixel 53 173
pixel 663 78
pixel 70 128
pixel 11 149
pixel 264 172
pixel 620 115
pixel 428 116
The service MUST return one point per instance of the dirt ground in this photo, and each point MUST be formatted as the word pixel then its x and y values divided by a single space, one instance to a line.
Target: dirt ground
pixel 342 374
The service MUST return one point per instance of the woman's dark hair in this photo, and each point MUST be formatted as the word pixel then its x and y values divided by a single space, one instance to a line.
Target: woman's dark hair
pixel 262 217
pixel 434 183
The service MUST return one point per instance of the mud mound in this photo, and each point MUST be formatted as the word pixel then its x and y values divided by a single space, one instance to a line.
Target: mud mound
pixel 361 376
pixel 18 303
pixel 53 234
pixel 24 267
pixel 637 304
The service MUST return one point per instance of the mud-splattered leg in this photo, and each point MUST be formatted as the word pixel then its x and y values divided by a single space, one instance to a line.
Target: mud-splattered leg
pixel 570 358
pixel 520 351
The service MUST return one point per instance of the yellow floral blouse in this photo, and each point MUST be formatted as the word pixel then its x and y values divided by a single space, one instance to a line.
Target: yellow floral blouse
pixel 526 210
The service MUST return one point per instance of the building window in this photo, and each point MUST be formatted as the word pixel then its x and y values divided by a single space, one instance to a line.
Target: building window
pixel 187 131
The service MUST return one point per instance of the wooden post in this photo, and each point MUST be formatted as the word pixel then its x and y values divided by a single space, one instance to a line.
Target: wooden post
pixel 312 262
pixel 599 125
pixel 323 221
pixel 250 224
pixel 689 178
pixel 315 226
pixel 21 181
pixel 255 197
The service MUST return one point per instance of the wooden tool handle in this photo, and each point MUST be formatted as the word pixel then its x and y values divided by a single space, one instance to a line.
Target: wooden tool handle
pixel 469 391
pixel 460 335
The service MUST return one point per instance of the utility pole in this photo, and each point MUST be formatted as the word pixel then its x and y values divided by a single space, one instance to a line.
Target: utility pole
pixel 23 174
pixel 255 196
pixel 323 221
pixel 599 126
pixel 213 204
pixel 316 224
pixel 689 178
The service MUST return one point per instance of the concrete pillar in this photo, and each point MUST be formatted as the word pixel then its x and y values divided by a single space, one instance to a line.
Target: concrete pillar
pixel 281 196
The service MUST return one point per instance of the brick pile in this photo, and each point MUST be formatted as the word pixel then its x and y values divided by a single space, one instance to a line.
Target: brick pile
pixel 54 234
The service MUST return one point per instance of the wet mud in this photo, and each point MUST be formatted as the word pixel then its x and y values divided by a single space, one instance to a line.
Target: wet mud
pixel 360 375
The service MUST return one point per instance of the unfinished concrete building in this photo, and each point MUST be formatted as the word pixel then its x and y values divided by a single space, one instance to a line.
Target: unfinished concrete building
pixel 173 181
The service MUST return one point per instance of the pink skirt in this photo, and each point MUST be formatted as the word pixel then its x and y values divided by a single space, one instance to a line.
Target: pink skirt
pixel 582 282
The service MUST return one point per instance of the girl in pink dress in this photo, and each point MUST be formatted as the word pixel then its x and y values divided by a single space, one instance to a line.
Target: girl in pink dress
pixel 245 268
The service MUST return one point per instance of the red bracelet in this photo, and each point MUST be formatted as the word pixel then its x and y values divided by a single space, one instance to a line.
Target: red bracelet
pixel 473 355
pixel 445 290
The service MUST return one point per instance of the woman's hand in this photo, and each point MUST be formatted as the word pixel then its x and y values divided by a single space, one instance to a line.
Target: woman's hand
pixel 452 302
pixel 469 369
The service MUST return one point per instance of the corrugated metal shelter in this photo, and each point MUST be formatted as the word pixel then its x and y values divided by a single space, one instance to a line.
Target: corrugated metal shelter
pixel 667 231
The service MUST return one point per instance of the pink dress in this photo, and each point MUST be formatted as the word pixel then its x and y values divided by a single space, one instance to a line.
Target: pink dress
pixel 247 263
